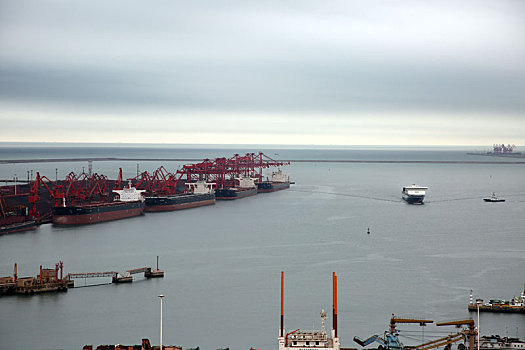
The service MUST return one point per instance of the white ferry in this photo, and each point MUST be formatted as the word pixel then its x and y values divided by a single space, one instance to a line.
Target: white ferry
pixel 414 194
pixel 310 339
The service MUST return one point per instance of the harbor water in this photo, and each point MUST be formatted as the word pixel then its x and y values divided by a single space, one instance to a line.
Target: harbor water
pixel 222 263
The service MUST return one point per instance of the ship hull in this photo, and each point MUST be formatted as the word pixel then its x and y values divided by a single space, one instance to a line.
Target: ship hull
pixel 268 186
pixel 18 227
pixel 495 308
pixel 413 199
pixel 91 214
pixel 178 202
pixel 235 193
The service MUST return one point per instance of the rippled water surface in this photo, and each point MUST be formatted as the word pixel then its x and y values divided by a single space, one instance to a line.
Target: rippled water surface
pixel 222 262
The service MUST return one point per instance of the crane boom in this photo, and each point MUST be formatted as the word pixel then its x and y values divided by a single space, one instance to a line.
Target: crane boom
pixel 471 333
pixel 438 342
pixel 456 323
pixel 395 320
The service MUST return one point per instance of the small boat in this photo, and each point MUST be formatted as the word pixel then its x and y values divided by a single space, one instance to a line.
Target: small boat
pixel 514 305
pixel 494 199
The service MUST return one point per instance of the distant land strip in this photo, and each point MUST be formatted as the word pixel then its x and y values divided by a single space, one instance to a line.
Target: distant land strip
pixel 61 160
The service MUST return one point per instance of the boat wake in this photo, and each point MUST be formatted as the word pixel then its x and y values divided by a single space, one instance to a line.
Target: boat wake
pixel 349 195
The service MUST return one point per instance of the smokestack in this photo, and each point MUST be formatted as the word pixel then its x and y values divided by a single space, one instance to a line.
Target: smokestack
pixel 282 305
pixel 41 282
pixel 61 270
pixel 15 275
pixel 157 262
pixel 334 307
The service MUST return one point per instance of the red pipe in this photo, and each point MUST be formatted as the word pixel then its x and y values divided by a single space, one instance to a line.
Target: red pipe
pixel 334 309
pixel 282 304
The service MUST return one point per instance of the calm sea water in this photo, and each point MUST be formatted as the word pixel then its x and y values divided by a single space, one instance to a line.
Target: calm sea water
pixel 223 262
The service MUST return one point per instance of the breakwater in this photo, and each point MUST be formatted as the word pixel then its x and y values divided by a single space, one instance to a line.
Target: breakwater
pixel 65 160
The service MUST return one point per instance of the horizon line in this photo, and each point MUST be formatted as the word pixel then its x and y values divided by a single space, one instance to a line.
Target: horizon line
pixel 232 144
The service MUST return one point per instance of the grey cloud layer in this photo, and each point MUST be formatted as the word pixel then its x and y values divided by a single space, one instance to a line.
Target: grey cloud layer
pixel 292 88
pixel 272 56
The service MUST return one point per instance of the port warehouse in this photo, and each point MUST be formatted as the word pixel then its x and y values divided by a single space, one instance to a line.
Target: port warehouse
pixel 36 198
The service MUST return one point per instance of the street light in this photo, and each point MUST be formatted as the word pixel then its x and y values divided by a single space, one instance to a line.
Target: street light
pixel 161 296
pixel 478 303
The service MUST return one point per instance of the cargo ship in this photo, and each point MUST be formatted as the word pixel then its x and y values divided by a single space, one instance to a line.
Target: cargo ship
pixel 245 188
pixel 515 305
pixel 129 202
pixel 201 193
pixel 414 194
pixel 15 219
pixel 279 181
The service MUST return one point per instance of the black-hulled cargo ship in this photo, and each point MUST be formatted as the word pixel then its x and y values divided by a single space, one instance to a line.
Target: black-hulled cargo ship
pixel 201 194
pixel 246 188
pixel 96 212
pixel 235 193
pixel 178 201
pixel 129 203
pixel 279 181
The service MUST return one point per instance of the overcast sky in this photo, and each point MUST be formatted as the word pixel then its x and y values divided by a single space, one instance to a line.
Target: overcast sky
pixel 265 72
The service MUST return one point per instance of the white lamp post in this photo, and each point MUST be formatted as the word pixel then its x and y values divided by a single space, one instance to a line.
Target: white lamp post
pixel 477 304
pixel 161 296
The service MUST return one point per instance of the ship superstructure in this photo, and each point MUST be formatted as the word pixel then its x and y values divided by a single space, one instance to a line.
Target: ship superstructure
pixel 311 339
pixel 129 194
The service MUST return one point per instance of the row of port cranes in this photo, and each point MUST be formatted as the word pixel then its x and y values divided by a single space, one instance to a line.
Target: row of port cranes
pixel 91 187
